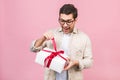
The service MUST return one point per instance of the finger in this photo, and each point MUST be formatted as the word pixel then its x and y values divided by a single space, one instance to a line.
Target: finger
pixel 67 67
pixel 68 59
pixel 48 35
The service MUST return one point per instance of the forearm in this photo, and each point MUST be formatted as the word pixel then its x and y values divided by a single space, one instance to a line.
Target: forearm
pixel 39 42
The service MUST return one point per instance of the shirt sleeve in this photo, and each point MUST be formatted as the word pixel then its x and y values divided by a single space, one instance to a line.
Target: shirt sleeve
pixel 36 49
pixel 87 59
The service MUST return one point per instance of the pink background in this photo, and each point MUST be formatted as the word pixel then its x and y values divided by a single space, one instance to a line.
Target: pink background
pixel 22 21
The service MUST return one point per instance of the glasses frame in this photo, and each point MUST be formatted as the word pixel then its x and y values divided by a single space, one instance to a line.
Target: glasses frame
pixel 68 22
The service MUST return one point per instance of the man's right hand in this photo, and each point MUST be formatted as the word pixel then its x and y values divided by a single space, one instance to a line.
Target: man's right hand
pixel 48 35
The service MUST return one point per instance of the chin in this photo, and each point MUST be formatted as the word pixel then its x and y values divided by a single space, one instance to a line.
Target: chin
pixel 66 32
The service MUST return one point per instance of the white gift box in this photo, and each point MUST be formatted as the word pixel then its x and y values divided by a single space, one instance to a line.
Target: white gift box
pixel 57 64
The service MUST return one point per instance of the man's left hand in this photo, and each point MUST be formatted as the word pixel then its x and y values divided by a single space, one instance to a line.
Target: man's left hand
pixel 71 64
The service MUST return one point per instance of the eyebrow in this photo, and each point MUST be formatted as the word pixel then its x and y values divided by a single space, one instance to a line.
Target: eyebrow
pixel 65 20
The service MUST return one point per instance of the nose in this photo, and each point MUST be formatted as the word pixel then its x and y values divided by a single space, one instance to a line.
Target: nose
pixel 65 24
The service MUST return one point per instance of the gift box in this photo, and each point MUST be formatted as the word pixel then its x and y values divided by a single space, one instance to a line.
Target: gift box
pixel 52 59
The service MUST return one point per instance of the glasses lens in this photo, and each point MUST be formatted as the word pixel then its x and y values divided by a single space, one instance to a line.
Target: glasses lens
pixel 68 22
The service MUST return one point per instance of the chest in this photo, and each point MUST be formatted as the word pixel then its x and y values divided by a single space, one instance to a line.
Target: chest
pixel 75 45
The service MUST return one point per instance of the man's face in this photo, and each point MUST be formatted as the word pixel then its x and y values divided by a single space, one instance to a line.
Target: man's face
pixel 67 22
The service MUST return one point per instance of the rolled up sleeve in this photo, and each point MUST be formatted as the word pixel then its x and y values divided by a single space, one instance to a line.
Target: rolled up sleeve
pixel 36 49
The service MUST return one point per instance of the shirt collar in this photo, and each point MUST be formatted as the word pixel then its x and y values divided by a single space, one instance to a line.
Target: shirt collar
pixel 74 30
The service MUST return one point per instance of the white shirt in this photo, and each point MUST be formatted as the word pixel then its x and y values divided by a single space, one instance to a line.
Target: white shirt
pixel 64 46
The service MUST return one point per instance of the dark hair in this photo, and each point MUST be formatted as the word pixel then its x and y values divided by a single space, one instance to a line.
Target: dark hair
pixel 69 9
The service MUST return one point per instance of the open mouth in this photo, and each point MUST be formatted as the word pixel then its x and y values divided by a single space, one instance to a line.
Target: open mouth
pixel 66 29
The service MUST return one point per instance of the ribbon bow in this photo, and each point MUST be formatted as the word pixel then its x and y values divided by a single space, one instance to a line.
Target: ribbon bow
pixel 48 59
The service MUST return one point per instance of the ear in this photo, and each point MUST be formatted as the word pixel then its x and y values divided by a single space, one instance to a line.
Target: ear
pixel 76 19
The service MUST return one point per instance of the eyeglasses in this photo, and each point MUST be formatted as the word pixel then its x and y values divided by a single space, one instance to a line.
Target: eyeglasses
pixel 68 22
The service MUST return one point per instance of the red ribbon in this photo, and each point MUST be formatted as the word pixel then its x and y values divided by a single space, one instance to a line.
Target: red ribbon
pixel 48 59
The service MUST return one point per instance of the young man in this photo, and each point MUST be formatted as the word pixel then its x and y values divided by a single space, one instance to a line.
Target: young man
pixel 75 43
